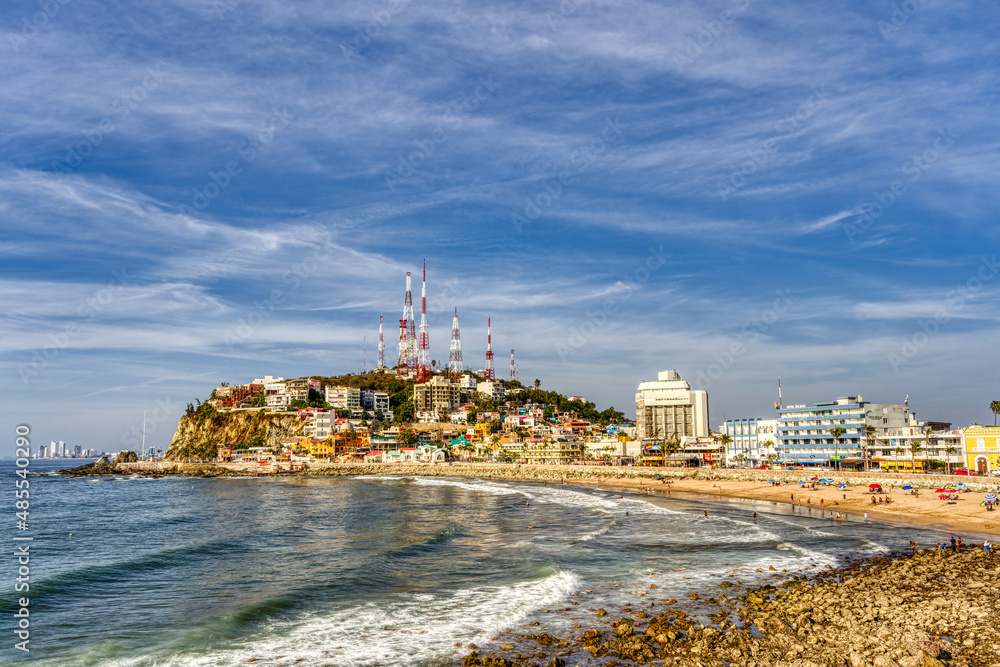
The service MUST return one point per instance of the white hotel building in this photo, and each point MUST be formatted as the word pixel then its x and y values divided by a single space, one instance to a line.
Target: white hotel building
pixel 668 408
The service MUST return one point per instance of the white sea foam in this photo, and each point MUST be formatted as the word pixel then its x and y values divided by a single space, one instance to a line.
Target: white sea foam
pixel 409 630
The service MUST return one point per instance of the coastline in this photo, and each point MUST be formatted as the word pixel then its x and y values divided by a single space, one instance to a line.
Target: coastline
pixel 893 610
pixel 924 509
pixel 902 610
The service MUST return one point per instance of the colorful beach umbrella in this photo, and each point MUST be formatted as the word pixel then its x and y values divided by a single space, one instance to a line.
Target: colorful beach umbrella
pixel 907 487
pixel 874 486
pixel 991 497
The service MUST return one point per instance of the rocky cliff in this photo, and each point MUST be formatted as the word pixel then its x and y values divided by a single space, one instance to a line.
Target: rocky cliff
pixel 200 433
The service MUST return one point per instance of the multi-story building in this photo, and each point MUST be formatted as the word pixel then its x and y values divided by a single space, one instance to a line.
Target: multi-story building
pixel 344 399
pixel 982 449
pixel 297 390
pixel 272 388
pixel 912 448
pixel 492 389
pixel 374 401
pixel 806 431
pixel 752 441
pixel 277 402
pixel 668 408
pixel 434 398
pixel 559 452
pixel 321 425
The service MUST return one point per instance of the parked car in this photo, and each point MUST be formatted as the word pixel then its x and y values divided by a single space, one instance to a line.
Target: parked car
pixel 995 472
pixel 962 471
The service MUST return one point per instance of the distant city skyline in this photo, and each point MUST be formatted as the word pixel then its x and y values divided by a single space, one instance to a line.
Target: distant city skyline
pixel 194 193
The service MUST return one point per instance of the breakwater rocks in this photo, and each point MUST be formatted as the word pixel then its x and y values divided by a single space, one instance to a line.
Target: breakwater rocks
pixel 904 611
pixel 102 466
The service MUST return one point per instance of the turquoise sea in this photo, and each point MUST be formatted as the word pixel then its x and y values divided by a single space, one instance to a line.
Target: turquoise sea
pixel 373 570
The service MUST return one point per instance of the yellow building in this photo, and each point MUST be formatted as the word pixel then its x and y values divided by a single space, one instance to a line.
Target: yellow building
pixel 319 449
pixel 481 431
pixel 559 453
pixel 982 448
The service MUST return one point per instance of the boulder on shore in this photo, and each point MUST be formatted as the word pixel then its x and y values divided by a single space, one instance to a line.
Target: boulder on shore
pixel 101 466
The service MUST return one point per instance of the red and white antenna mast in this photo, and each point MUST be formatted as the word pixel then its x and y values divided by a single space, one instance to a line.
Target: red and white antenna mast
pixel 513 367
pixel 381 345
pixel 407 339
pixel 455 353
pixel 488 373
pixel 423 353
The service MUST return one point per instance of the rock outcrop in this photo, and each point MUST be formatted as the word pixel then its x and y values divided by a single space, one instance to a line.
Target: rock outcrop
pixel 199 435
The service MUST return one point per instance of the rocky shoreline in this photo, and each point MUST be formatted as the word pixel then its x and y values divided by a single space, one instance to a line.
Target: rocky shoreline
pixel 904 610
pixel 919 610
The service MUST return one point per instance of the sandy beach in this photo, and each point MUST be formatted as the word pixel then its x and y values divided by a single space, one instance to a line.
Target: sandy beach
pixel 967 514
pixel 924 509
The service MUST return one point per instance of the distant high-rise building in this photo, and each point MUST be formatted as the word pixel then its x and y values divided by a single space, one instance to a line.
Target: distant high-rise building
pixel 668 408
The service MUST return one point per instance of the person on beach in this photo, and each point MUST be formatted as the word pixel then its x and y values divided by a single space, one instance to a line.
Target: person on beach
pixel 913 547
pixel 960 543
pixel 986 547
pixel 954 544
pixel 755 517
pixel 940 550
pixel 706 513
pixel 866 516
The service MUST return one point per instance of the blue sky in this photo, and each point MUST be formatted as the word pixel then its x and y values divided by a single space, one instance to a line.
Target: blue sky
pixel 736 189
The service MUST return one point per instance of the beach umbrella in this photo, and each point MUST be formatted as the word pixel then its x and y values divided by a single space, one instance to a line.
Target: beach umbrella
pixel 907 487
pixel 771 481
pixel 874 486
pixel 946 491
pixel 991 497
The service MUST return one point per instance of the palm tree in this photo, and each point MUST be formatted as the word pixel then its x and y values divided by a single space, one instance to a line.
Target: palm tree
pixel 767 445
pixel 897 451
pixel 725 440
pixel 949 450
pixel 995 409
pixel 538 383
pixel 836 432
pixel 915 447
pixel 870 432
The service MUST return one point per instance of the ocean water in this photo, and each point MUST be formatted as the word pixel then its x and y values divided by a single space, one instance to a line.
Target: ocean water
pixel 374 570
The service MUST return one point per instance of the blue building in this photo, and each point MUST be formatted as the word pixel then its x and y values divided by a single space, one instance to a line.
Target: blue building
pixel 752 441
pixel 805 431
